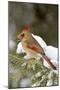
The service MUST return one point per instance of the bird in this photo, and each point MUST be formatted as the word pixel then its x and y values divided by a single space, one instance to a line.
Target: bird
pixel 39 39
pixel 31 46
pixel 47 48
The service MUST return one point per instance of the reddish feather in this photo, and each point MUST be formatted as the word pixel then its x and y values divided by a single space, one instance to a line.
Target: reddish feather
pixel 33 48
pixel 26 29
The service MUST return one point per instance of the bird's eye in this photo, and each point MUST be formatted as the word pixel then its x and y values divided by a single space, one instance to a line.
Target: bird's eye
pixel 22 35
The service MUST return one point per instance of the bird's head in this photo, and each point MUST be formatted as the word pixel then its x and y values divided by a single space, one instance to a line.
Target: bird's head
pixel 23 34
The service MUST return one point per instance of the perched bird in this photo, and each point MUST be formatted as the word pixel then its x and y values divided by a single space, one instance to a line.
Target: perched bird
pixel 32 47
pixel 47 49
pixel 43 44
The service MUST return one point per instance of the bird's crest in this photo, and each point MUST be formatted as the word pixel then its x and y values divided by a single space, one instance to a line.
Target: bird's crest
pixel 26 29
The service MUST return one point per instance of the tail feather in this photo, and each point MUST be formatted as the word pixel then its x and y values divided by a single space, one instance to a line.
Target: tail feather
pixel 49 62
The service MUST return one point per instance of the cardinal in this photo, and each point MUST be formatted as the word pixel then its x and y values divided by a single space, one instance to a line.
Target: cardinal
pixel 32 47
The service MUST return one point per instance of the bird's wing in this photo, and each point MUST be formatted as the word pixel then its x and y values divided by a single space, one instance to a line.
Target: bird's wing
pixel 34 45
pixel 40 41
pixel 35 48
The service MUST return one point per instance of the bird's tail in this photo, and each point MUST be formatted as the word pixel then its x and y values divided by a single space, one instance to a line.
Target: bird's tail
pixel 49 62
